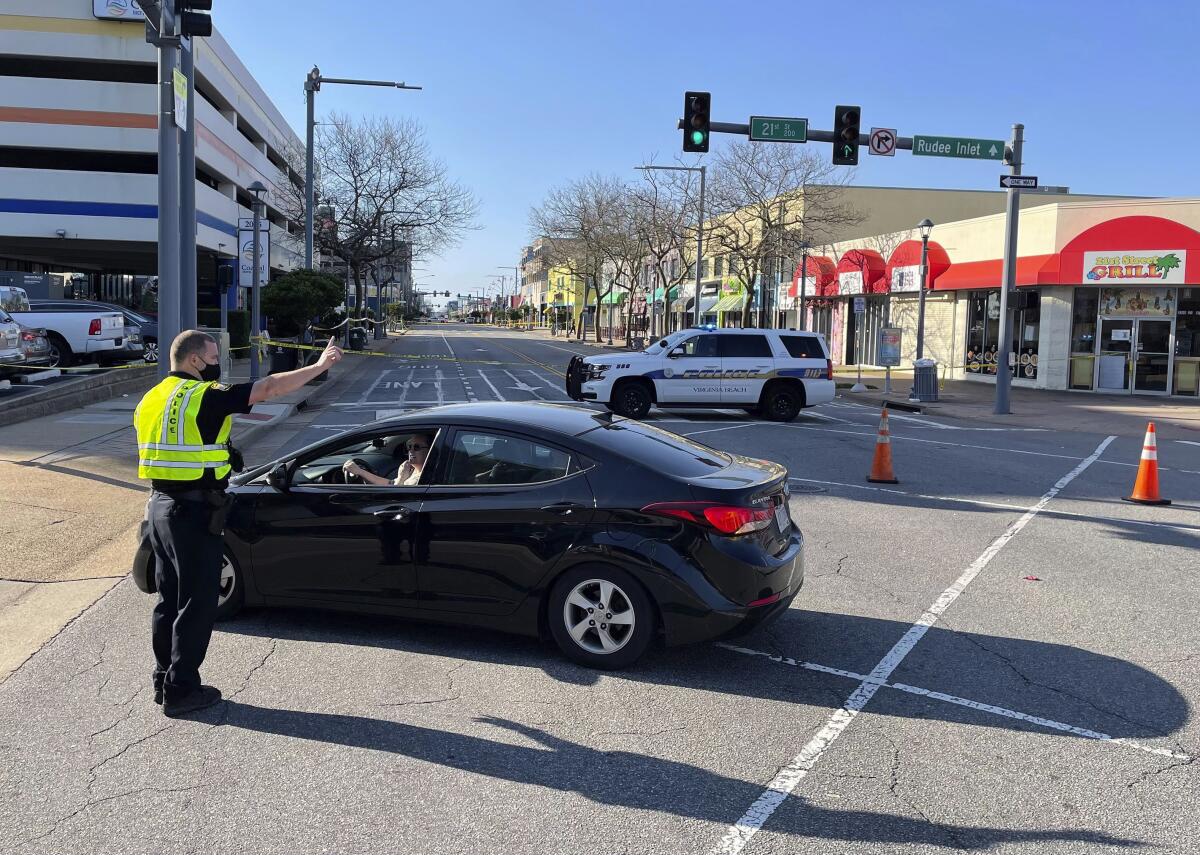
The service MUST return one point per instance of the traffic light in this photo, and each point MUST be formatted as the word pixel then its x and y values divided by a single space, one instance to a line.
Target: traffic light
pixel 696 119
pixel 845 135
pixel 192 18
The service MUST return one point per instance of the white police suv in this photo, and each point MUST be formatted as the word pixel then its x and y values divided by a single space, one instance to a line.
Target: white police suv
pixel 774 373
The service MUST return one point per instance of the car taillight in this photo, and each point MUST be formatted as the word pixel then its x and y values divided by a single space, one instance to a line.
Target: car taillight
pixel 94 327
pixel 828 369
pixel 727 519
pixel 26 335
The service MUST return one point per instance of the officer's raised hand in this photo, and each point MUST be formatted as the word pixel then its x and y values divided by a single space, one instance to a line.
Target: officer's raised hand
pixel 331 355
pixel 289 381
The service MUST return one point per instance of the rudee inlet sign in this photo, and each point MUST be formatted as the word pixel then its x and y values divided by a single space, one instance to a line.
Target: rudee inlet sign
pixel 1146 267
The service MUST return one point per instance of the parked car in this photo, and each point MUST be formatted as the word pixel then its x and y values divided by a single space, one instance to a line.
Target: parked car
pixel 11 352
pixel 140 330
pixel 36 346
pixel 74 335
pixel 602 533
pixel 774 373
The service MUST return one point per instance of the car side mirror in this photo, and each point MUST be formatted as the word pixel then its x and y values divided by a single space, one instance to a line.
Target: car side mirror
pixel 278 477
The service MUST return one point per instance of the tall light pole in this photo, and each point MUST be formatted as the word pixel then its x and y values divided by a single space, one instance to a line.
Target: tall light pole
pixel 699 226
pixel 312 85
pixel 926 226
pixel 516 280
pixel 804 248
pixel 258 190
pixel 223 296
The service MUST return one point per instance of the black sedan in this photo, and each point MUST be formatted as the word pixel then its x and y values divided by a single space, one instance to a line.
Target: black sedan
pixel 601 532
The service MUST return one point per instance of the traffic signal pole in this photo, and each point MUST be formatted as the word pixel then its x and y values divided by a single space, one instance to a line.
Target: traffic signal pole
pixel 1009 279
pixel 187 194
pixel 168 194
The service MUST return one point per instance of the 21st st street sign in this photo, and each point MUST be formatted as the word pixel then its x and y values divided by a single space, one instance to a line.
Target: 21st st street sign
pixel 958 147
pixel 777 129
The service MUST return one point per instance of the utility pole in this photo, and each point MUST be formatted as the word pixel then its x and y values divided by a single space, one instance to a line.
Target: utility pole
pixel 168 190
pixel 312 85
pixel 1007 286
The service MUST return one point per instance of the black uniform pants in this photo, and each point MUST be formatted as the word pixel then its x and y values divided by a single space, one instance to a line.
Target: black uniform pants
pixel 188 574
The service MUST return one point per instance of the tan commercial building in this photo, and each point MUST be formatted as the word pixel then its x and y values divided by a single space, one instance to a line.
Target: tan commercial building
pixel 1108 296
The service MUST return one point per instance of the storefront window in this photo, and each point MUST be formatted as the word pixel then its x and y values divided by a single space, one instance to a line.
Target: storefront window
pixel 1187 343
pixel 983 333
pixel 1083 337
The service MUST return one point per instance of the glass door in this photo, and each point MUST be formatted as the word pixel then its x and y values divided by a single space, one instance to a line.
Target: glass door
pixel 1112 362
pixel 1152 359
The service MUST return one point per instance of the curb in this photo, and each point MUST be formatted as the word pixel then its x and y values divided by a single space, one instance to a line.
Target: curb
pixel 72 395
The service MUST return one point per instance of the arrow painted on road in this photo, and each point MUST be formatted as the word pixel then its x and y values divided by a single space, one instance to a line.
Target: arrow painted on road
pixel 524 387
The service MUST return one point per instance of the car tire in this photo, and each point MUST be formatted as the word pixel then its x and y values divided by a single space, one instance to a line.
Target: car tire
pixel 150 350
pixel 61 355
pixel 781 403
pixel 232 593
pixel 584 643
pixel 631 399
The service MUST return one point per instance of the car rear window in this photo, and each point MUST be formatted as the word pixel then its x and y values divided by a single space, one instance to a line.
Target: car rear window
pixel 803 346
pixel 745 345
pixel 661 450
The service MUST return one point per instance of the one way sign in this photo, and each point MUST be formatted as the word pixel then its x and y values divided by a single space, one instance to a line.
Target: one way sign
pixel 1023 182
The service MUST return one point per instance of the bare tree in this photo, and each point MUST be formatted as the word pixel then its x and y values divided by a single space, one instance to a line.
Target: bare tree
pixel 666 206
pixel 575 223
pixel 768 200
pixel 377 176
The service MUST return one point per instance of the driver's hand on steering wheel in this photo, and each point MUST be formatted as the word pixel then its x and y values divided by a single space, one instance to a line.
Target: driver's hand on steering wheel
pixel 351 468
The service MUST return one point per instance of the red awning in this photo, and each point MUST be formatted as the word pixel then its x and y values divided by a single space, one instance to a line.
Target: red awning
pixel 823 273
pixel 1031 270
pixel 908 254
pixel 1130 234
pixel 870 264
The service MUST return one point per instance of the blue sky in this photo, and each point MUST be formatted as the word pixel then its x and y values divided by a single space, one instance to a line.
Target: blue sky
pixel 522 96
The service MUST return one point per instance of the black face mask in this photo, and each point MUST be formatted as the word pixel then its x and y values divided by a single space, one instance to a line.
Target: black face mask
pixel 210 372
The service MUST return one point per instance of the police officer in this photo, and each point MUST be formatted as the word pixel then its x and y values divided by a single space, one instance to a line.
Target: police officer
pixel 183 427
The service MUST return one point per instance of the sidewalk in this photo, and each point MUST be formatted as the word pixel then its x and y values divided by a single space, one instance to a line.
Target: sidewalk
pixel 1123 415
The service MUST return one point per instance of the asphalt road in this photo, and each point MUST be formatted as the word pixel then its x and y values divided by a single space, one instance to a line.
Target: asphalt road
pixel 997 654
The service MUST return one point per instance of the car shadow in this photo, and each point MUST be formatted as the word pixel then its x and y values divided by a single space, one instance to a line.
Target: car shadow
pixel 620 778
pixel 1056 681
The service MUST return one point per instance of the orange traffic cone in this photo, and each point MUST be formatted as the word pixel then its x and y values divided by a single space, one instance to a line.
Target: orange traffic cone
pixel 1145 487
pixel 881 466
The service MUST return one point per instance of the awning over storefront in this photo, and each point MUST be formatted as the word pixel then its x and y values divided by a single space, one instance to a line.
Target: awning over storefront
pixel 822 277
pixel 683 304
pixel 862 271
pixel 672 295
pixel 707 304
pixel 1118 252
pixel 1031 270
pixel 613 297
pixel 904 267
pixel 730 303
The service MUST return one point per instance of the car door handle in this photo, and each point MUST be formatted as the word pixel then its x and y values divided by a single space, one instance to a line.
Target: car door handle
pixel 562 509
pixel 397 514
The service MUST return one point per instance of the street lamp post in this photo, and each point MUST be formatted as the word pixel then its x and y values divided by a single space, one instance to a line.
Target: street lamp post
pixel 699 227
pixel 516 280
pixel 926 226
pixel 258 190
pixel 312 85
pixel 804 248
pixel 223 296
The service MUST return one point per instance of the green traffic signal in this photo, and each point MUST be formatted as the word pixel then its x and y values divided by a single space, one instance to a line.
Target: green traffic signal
pixel 697 137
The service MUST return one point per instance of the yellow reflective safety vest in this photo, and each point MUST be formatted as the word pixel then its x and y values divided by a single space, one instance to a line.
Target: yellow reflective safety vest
pixel 169 444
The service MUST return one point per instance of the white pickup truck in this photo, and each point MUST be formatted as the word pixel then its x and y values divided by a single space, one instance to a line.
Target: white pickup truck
pixel 74 336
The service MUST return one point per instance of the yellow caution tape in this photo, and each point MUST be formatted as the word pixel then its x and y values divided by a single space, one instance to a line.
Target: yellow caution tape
pixel 405 357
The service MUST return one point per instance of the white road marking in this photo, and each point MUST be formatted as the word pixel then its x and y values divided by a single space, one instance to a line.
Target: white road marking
pixel 870 432
pixel 522 386
pixel 491 386
pixel 567 349
pixel 1187 442
pixel 740 833
pixel 438 378
pixel 1001 505
pixel 981 706
pixel 714 430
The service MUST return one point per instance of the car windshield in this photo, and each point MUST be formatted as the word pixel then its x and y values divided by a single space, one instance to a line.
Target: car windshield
pixel 666 343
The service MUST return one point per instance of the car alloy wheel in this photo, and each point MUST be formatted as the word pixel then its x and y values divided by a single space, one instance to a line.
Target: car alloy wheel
pixel 632 400
pixel 599 616
pixel 781 405
pixel 229 591
pixel 150 351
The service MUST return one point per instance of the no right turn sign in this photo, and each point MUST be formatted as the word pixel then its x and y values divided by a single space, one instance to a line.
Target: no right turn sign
pixel 883 141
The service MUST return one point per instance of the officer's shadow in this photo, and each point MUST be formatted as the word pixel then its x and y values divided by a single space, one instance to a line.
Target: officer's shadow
pixel 619 778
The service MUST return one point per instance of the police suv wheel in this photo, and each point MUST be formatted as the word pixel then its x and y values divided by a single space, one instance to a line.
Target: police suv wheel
pixel 781 403
pixel 600 617
pixel 632 400
pixel 230 594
